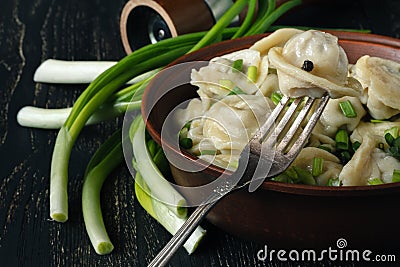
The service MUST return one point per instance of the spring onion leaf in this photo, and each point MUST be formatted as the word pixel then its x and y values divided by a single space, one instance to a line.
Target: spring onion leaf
pixel 252 73
pixel 317 166
pixel 208 152
pixel 295 175
pixel 342 139
pixel 396 176
pixel 186 143
pixel 333 182
pixel 375 181
pixel 394 132
pixel 270 17
pixel 237 65
pixel 236 91
pixel 356 145
pixel 222 23
pixel 248 20
pixel 348 109
pixel 328 149
pixel 226 84
pixel 276 97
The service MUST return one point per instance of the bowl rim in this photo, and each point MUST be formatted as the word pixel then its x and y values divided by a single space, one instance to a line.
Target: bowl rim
pixel 313 190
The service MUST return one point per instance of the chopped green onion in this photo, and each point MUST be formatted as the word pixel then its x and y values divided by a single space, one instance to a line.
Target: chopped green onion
pixel 347 109
pixel 252 73
pixel 276 97
pixel 226 84
pixel 317 166
pixel 187 125
pixel 283 178
pixel 375 181
pixel 389 139
pixel 237 65
pixel 356 145
pixel 234 164
pixel 236 91
pixel 304 176
pixel 186 143
pixel 208 152
pixel 394 151
pixel 328 149
pixel 396 176
pixel 183 133
pixel 345 156
pixel 295 175
pixel 377 121
pixel 394 131
pixel 342 139
pixel 333 182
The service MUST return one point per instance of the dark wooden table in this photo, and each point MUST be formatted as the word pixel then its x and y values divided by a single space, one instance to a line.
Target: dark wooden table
pixel 33 31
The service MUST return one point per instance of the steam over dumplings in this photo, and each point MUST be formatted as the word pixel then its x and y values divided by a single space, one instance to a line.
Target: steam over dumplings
pixel 329 72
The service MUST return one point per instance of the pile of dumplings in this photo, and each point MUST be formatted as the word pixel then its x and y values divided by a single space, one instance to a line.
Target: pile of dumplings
pixel 297 63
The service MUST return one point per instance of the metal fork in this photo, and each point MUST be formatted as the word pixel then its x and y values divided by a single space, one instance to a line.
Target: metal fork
pixel 266 155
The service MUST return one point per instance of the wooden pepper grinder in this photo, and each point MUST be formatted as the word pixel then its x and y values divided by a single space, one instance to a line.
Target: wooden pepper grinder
pixel 144 22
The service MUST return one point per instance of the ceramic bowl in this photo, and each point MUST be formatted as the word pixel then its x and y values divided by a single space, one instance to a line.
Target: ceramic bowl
pixel 279 214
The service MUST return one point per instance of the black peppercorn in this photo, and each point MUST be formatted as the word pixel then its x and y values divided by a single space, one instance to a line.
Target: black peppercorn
pixel 307 65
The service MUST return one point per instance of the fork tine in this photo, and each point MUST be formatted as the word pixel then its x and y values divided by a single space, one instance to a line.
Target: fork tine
pixel 266 127
pixel 301 140
pixel 296 124
pixel 272 139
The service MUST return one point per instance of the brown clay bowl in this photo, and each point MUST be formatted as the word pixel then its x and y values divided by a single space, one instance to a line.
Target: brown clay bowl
pixel 279 214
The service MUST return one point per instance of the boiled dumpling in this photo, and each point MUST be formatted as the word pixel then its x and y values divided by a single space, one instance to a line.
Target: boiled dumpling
pixel 380 79
pixel 362 166
pixel 270 85
pixel 231 122
pixel 193 110
pixel 209 78
pixel 328 72
pixel 368 163
pixel 277 38
pixel 331 165
pixel 332 117
pixel 376 130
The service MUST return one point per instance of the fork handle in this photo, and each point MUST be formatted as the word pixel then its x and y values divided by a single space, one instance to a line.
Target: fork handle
pixel 182 234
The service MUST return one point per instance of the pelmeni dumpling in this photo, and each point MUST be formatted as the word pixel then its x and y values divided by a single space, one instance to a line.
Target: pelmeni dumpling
pixel 377 130
pixel 362 165
pixel 276 39
pixel 327 71
pixel 331 164
pixel 332 117
pixel 380 79
pixel 232 121
pixel 209 78
pixel 368 163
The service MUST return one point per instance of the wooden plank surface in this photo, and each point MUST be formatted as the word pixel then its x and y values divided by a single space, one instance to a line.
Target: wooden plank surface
pixel 36 30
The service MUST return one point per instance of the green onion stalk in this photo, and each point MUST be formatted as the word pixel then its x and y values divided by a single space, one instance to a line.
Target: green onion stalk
pixel 105 93
pixel 106 84
pixel 106 159
pixel 94 96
